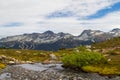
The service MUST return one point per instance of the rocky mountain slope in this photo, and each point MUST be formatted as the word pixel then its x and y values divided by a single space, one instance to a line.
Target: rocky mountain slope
pixel 111 46
pixel 54 41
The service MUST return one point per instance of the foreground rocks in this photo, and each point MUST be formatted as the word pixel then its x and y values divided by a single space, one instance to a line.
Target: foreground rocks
pixel 12 61
pixel 47 72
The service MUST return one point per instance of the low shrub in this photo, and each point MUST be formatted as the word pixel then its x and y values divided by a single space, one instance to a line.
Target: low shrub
pixel 83 58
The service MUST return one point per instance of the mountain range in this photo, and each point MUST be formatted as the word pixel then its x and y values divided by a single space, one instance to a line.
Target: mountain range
pixel 54 41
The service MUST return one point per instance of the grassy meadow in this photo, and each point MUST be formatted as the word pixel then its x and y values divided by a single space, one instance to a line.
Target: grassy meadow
pixel 94 60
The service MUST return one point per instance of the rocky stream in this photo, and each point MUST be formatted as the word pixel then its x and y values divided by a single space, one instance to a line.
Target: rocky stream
pixel 38 71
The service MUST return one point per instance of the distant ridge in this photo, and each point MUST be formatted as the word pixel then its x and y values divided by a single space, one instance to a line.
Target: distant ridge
pixel 54 41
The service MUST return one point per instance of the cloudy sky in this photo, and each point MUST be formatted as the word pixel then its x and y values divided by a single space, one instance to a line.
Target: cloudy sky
pixel 70 16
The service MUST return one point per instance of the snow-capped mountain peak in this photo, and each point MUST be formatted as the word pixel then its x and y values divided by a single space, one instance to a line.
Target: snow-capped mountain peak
pixel 54 41
pixel 86 34
pixel 115 32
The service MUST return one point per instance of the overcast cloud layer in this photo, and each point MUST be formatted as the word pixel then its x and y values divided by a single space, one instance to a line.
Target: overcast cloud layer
pixel 70 16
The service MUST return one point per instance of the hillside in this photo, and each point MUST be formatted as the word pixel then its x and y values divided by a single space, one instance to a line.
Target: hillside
pixel 114 42
pixel 111 45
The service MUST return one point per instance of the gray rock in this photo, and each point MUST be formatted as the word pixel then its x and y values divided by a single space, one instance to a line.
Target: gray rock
pixel 5 76
pixel 50 73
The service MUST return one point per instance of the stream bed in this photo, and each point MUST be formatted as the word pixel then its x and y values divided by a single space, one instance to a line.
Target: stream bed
pixel 39 71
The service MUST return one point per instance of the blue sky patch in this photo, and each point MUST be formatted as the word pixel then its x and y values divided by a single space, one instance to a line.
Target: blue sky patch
pixel 103 12
pixel 61 13
pixel 13 24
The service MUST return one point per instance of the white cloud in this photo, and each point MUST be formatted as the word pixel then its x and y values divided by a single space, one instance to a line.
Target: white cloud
pixel 23 9
pixel 82 8
pixel 32 13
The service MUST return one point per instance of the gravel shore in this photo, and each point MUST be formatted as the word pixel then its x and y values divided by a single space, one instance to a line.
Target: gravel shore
pixel 47 72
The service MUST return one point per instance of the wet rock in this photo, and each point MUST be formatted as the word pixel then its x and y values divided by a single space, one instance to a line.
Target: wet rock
pixel 5 76
pixel 11 63
pixel 29 62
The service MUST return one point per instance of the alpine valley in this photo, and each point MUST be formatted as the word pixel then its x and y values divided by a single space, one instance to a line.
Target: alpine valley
pixel 54 41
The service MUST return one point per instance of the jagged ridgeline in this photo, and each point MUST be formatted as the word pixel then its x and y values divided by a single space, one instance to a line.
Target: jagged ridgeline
pixel 54 41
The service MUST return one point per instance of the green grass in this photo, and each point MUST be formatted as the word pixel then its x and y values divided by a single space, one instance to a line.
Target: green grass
pixel 25 55
pixel 112 43
pixel 2 66
pixel 103 70
pixel 111 68
pixel 32 55
pixel 93 62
